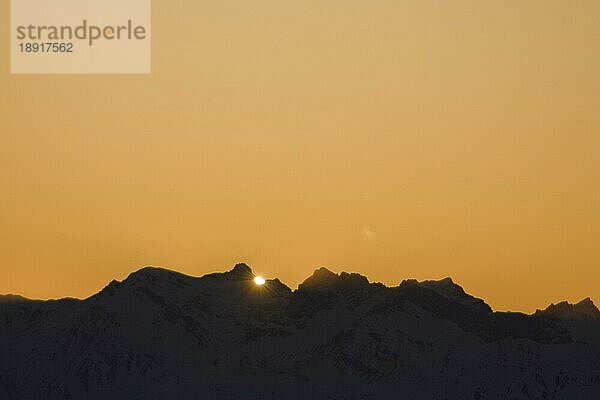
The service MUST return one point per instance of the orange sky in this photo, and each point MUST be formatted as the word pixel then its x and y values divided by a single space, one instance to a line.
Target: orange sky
pixel 397 139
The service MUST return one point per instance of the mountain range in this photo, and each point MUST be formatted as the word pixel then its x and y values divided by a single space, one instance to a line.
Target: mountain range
pixel 160 334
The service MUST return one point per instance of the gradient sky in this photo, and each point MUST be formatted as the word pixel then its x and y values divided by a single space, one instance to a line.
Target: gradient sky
pixel 398 139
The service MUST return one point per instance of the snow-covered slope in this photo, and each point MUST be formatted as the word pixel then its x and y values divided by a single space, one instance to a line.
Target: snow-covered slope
pixel 160 334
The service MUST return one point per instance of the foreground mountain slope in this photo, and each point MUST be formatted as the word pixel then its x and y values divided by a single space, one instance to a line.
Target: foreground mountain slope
pixel 161 334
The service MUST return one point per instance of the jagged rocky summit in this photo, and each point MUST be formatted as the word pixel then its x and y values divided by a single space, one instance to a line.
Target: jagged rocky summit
pixel 160 334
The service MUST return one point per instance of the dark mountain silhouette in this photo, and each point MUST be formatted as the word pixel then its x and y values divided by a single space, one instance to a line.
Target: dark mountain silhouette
pixel 160 334
pixel 584 310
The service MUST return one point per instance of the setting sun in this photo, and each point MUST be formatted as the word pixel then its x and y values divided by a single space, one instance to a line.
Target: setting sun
pixel 259 280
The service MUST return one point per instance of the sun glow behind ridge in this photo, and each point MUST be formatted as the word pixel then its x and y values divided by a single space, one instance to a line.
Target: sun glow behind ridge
pixel 259 280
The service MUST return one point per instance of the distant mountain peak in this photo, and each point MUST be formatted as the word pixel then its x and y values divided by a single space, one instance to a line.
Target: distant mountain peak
pixel 585 309
pixel 12 298
pixel 323 273
pixel 240 271
pixel 586 302
pixel 324 278
pixel 150 275
pixel 447 288
pixel 320 277
pixel 242 268
pixel 151 271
